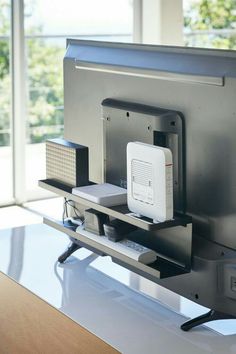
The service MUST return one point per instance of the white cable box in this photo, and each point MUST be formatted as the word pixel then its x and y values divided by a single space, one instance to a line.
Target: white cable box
pixel 150 181
pixel 105 194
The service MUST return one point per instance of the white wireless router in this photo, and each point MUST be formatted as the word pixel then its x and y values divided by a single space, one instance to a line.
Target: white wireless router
pixel 150 181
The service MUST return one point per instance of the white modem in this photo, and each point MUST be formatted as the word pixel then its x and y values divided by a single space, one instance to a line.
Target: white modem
pixel 150 181
pixel 105 194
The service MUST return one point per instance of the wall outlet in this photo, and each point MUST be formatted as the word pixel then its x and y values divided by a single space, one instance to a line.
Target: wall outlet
pixel 233 284
pixel 229 280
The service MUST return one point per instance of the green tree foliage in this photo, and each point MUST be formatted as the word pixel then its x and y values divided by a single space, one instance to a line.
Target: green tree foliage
pixel 207 15
pixel 44 83
pixel 4 73
pixel 4 31
pixel 4 59
pixel 45 87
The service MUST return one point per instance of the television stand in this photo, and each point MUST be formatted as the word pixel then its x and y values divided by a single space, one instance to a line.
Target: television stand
pixel 212 315
pixel 73 246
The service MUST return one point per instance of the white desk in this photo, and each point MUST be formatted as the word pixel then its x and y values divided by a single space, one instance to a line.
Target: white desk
pixel 84 290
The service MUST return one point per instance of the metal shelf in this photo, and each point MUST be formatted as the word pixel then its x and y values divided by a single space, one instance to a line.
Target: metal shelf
pixel 120 212
pixel 159 269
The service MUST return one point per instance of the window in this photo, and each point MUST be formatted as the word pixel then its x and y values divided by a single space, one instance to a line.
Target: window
pixel 6 189
pixel 47 25
pixel 210 23
pixel 39 32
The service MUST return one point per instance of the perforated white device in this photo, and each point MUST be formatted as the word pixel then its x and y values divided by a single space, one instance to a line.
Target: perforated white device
pixel 105 194
pixel 150 181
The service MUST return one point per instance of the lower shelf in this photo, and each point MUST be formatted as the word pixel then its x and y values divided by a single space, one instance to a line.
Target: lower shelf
pixel 159 269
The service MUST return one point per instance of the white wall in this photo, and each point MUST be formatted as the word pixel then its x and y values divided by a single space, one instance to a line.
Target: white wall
pixel 158 22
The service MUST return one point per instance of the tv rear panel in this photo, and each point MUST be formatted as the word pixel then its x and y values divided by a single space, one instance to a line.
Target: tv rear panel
pixel 199 83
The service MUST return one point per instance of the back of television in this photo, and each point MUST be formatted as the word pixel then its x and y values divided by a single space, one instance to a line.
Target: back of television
pixel 200 85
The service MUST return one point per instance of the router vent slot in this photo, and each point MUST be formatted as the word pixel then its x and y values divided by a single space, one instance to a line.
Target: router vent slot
pixel 141 173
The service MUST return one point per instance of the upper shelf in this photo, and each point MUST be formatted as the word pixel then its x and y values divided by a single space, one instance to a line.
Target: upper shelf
pixel 120 212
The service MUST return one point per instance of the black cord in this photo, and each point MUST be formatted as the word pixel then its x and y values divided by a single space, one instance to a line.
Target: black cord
pixel 75 209
pixel 64 211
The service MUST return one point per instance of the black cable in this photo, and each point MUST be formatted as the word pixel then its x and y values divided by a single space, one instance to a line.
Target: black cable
pixel 75 209
pixel 64 211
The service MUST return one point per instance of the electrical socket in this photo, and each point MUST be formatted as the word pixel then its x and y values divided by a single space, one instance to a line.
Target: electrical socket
pixel 233 284
pixel 229 280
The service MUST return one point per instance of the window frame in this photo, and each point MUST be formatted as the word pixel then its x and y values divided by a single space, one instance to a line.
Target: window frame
pixel 18 72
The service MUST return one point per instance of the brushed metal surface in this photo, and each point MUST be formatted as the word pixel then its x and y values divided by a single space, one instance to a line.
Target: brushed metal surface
pixel 209 80
pixel 210 124
pixel 125 122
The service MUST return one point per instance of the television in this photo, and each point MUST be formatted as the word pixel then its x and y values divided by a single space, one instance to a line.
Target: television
pixel 184 99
